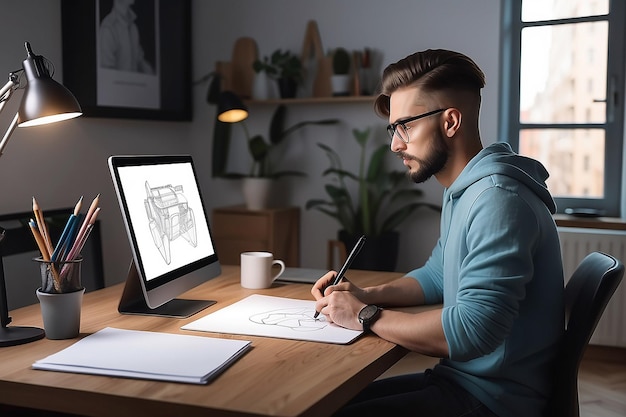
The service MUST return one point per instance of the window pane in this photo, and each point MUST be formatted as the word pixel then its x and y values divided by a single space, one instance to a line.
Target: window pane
pixel 534 10
pixel 573 157
pixel 563 73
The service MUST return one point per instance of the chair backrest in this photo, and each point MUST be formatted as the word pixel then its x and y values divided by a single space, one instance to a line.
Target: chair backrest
pixel 19 247
pixel 586 295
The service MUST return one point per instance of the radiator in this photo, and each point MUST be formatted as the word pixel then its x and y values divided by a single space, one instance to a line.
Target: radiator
pixel 576 243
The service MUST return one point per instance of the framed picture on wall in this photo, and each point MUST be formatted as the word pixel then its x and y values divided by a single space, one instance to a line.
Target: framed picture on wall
pixel 128 58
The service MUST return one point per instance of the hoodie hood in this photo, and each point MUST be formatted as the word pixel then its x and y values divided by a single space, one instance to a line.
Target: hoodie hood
pixel 499 158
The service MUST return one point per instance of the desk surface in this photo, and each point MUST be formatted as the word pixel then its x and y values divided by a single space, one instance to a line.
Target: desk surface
pixel 277 377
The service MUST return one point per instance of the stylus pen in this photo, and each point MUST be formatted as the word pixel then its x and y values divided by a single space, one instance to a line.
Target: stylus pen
pixel 344 268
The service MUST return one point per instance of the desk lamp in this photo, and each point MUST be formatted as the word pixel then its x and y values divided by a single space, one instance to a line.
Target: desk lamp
pixel 230 108
pixel 44 101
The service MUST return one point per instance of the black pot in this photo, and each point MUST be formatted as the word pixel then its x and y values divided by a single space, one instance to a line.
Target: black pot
pixel 380 253
pixel 287 87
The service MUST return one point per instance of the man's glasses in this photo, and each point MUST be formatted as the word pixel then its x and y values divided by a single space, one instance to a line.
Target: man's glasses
pixel 402 130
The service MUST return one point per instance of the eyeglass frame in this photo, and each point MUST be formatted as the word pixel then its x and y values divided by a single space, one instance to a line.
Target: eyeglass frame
pixel 392 128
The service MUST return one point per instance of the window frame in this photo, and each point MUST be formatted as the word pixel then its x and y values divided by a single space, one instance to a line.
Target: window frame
pixel 510 125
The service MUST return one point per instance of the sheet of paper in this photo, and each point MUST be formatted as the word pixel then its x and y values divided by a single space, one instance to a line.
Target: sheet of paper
pixel 285 318
pixel 147 355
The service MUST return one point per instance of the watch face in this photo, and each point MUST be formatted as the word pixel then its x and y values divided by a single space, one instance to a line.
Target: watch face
pixel 368 312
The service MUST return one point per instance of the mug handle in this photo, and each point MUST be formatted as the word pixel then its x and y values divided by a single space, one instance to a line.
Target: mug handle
pixel 282 268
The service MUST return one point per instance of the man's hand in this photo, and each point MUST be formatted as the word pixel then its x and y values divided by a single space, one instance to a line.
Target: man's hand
pixel 339 303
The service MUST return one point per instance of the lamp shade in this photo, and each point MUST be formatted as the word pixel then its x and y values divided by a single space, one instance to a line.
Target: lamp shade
pixel 45 100
pixel 230 108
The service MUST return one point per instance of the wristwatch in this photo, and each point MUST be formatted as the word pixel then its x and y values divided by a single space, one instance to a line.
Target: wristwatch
pixel 368 315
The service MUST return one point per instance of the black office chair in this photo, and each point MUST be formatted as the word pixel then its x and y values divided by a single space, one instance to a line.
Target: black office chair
pixel 586 295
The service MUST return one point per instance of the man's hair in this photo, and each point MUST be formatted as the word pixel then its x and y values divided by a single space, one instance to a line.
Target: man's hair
pixel 431 70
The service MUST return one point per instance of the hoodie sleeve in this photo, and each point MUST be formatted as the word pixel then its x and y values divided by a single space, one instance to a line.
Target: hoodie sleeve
pixel 500 236
pixel 430 276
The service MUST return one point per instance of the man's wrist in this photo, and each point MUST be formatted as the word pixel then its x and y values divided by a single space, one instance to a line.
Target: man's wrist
pixel 368 315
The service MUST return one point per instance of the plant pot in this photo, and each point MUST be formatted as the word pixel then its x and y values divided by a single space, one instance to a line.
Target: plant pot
pixel 256 192
pixel 380 253
pixel 261 86
pixel 340 84
pixel 287 87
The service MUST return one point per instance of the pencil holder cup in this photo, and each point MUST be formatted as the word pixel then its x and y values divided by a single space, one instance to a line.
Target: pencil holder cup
pixel 60 297
pixel 61 276
pixel 61 313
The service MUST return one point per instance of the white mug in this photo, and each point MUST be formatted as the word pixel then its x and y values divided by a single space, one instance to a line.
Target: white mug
pixel 256 269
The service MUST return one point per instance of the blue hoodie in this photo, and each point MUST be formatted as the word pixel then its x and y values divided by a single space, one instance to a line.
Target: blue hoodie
pixel 497 269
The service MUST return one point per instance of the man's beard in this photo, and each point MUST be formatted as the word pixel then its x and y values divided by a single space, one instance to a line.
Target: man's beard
pixel 432 164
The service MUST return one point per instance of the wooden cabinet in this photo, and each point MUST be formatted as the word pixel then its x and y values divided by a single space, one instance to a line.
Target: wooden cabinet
pixel 237 229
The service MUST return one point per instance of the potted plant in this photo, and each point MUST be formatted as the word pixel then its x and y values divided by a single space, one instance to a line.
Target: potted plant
pixel 263 170
pixel 384 199
pixel 340 80
pixel 283 66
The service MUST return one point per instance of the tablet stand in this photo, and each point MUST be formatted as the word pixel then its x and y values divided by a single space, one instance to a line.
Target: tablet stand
pixel 134 302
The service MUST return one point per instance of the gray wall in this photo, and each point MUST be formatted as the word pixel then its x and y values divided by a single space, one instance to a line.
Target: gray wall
pixel 58 163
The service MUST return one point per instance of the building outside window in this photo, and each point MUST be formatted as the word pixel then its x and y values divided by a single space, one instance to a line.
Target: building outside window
pixel 562 94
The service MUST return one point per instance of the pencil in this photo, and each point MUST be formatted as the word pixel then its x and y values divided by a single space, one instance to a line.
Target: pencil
pixel 41 224
pixel 45 254
pixel 78 206
pixel 80 240
pixel 92 209
pixel 355 251
pixel 39 239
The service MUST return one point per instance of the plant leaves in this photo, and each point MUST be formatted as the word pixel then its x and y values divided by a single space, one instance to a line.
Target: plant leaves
pixel 396 218
pixel 258 148
pixel 361 136
pixel 277 124
pixel 376 166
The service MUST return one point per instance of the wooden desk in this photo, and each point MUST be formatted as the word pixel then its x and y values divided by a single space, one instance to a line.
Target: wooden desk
pixel 276 377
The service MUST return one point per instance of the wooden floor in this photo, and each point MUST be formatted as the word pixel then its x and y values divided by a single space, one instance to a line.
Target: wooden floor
pixel 601 379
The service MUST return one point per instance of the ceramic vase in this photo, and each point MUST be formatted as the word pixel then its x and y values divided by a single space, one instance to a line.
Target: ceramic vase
pixel 256 192
pixel 261 86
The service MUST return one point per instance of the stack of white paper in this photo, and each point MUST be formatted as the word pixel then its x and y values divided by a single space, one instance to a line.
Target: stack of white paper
pixel 147 355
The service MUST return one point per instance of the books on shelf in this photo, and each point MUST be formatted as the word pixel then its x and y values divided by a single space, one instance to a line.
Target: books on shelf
pixel 147 355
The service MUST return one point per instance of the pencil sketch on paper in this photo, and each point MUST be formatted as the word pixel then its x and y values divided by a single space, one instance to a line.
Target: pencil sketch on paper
pixel 170 217
pixel 297 319
pixel 264 315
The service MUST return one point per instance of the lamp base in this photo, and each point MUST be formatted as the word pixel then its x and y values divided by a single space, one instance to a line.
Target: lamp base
pixel 18 335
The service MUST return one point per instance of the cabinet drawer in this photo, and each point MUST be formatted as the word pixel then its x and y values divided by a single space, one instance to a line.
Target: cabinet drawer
pixel 229 250
pixel 236 226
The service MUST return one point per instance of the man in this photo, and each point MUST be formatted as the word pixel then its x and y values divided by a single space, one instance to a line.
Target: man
pixel 120 46
pixel 496 267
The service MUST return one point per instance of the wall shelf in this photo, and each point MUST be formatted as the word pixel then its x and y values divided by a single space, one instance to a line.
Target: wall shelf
pixel 315 100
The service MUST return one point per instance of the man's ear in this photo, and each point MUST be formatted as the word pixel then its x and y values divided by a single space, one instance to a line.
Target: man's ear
pixel 452 121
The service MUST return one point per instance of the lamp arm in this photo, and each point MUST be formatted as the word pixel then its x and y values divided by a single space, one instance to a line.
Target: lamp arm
pixel 9 86
pixel 7 134
pixel 5 95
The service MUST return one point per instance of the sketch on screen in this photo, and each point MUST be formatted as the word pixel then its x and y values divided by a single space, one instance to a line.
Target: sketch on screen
pixel 297 319
pixel 169 217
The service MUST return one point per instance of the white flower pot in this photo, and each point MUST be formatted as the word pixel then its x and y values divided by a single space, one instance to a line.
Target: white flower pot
pixel 261 86
pixel 340 85
pixel 256 192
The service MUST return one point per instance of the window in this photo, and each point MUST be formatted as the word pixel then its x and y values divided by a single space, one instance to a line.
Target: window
pixel 562 84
